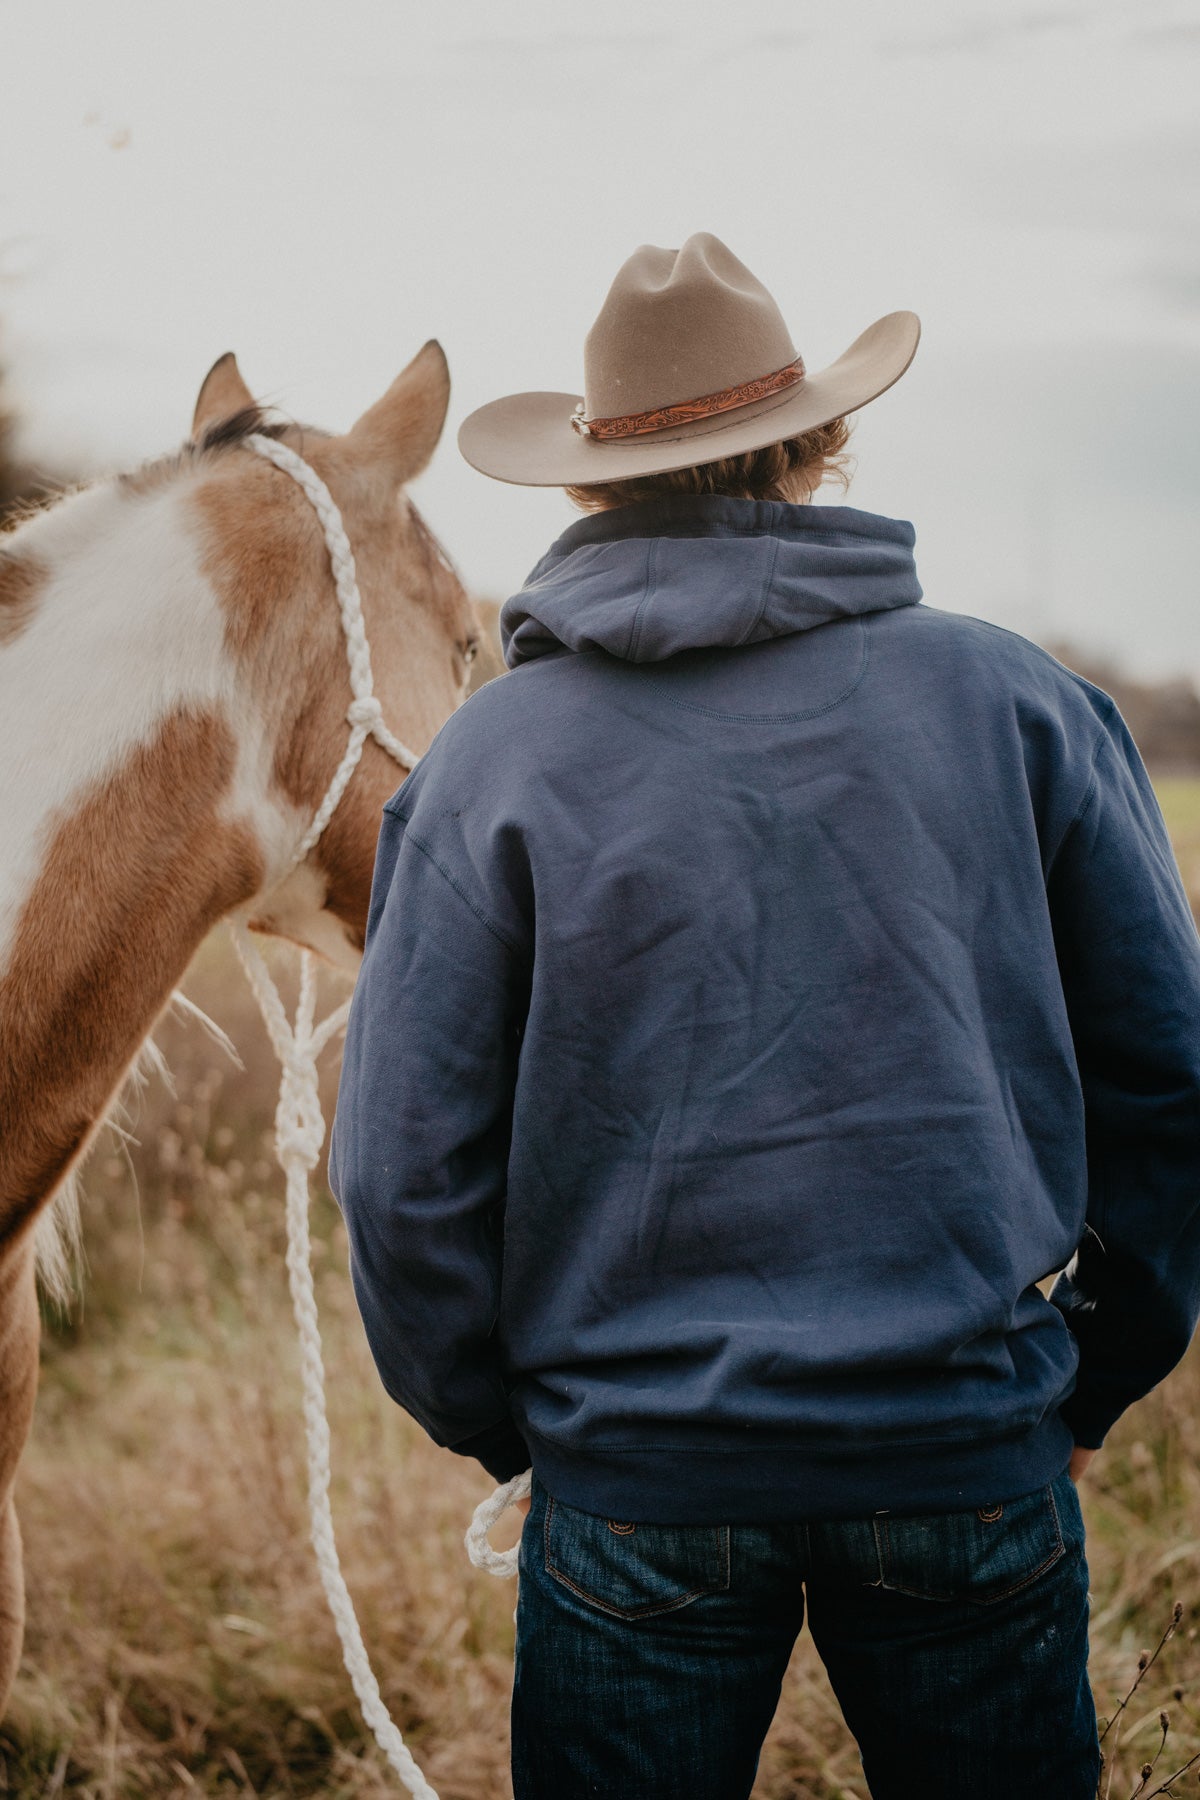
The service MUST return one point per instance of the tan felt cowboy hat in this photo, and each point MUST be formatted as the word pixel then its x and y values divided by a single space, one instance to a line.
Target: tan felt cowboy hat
pixel 689 360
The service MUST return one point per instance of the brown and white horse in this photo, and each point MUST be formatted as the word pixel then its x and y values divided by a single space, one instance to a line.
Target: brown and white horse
pixel 173 695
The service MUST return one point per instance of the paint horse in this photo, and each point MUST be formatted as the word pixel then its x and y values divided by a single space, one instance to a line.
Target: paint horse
pixel 173 697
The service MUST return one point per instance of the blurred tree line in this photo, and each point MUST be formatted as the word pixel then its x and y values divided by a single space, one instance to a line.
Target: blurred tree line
pixel 1163 716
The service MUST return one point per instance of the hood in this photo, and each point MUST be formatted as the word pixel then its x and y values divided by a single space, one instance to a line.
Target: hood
pixel 685 571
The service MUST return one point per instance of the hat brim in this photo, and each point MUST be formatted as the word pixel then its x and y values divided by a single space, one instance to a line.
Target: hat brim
pixel 528 439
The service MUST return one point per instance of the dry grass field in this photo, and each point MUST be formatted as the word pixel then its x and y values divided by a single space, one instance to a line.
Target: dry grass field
pixel 178 1642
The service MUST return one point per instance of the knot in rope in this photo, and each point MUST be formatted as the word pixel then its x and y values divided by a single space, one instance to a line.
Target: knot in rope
pixel 299 1134
pixel 365 714
pixel 296 1061
pixel 299 1122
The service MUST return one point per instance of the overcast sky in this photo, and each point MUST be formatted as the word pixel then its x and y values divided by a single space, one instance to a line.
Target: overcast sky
pixel 321 187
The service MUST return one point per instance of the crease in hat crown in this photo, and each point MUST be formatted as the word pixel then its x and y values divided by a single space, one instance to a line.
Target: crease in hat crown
pixel 678 325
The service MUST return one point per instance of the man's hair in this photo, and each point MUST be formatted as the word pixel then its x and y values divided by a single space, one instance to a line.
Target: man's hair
pixel 785 471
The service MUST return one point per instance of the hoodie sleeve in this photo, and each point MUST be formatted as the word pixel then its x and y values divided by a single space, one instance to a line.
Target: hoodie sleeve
pixel 1130 962
pixel 419 1150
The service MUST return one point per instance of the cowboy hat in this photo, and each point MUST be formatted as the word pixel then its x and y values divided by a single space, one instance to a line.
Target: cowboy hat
pixel 689 360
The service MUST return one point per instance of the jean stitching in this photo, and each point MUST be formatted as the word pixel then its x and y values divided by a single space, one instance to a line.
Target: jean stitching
pixel 1052 1558
pixel 875 1527
pixel 626 1612
pixel 546 1531
pixel 1003 1593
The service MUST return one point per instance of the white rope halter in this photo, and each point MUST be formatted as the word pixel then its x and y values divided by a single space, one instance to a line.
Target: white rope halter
pixel 300 1132
pixel 364 715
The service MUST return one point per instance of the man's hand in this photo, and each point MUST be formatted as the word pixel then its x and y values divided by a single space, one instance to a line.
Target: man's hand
pixel 1080 1458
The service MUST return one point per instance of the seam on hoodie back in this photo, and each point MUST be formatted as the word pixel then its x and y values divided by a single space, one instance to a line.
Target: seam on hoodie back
pixel 1089 792
pixel 411 838
pixel 635 628
pixel 785 718
pixel 766 591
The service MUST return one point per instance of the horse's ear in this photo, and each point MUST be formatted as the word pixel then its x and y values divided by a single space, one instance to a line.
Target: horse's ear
pixel 396 437
pixel 222 394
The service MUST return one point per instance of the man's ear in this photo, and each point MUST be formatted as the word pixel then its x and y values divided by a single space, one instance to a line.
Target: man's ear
pixel 395 439
pixel 222 394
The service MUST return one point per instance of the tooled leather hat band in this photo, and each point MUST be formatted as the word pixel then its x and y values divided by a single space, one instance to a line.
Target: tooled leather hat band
pixel 684 412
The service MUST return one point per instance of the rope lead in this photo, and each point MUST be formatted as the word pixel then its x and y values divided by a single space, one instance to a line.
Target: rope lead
pixel 300 1133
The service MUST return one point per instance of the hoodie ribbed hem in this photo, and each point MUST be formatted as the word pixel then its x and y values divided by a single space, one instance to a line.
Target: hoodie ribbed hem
pixel 780 1484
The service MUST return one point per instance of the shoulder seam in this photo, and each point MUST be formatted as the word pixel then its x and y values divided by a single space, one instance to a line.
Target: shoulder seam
pixel 1089 792
pixel 1043 655
pixel 497 932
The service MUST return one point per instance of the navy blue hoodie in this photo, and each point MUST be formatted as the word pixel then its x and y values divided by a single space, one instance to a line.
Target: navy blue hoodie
pixel 769 982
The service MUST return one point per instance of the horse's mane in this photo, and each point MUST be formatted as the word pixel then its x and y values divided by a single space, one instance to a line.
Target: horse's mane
pixel 226 434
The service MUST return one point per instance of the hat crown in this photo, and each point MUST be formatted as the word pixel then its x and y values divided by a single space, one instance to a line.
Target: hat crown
pixel 677 325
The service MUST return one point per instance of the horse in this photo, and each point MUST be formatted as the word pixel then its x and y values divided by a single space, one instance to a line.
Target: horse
pixel 173 705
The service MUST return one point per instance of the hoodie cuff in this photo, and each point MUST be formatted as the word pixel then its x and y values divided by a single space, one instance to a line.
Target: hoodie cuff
pixel 1088 1419
pixel 501 1449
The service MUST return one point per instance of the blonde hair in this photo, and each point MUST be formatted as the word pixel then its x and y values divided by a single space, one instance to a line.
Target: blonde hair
pixel 790 470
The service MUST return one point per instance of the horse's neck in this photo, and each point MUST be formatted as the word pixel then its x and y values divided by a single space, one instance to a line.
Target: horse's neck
pixel 130 820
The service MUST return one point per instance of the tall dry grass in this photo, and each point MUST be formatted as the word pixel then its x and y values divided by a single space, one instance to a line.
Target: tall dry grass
pixel 178 1641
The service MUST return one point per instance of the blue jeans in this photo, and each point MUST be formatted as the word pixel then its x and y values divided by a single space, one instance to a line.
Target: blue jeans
pixel 649 1658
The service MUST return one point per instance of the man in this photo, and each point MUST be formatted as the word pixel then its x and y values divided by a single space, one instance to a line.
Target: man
pixel 769 982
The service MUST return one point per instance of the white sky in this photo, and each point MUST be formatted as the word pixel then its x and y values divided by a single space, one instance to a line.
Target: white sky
pixel 321 187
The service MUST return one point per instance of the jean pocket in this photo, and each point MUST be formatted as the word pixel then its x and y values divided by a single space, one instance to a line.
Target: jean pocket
pixel 980 1555
pixel 633 1570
